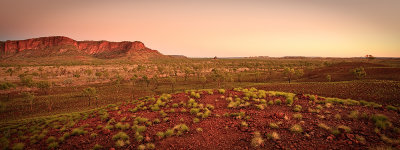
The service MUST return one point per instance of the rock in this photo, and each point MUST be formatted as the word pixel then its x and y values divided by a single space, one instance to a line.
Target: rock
pixel 61 44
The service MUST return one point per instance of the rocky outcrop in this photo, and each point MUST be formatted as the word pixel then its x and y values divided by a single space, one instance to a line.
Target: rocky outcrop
pixel 104 49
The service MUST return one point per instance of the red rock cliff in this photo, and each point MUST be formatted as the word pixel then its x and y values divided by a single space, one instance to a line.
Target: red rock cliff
pixel 88 47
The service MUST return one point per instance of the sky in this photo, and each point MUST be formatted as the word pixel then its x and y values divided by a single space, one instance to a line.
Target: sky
pixel 223 28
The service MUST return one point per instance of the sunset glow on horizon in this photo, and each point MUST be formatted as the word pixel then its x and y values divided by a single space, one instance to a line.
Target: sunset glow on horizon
pixel 236 28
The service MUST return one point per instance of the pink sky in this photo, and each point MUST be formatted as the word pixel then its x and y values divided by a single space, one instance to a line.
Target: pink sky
pixel 224 28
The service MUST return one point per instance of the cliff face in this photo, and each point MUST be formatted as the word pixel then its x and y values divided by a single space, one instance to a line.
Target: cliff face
pixel 95 48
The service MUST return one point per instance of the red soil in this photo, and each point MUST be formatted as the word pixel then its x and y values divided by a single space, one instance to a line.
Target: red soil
pixel 224 132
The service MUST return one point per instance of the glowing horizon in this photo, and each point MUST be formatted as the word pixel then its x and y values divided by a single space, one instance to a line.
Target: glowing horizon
pixel 342 28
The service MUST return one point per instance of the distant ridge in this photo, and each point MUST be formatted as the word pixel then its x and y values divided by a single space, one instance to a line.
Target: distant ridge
pixel 58 45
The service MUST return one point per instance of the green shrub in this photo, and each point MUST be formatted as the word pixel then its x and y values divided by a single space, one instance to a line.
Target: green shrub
pixel 160 134
pixel 196 120
pixel 221 91
pixel 156 121
pixel 169 132
pixel 296 128
pixel 278 101
pixel 175 105
pixel 381 121
pixel 270 102
pixel 297 108
pixel 184 128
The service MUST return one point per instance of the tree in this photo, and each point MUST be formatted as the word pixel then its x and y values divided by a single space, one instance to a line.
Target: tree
pixel 10 71
pixel 89 93
pixel 289 73
pixel 26 80
pixel 359 72
pixel 217 77
pixel 6 86
pixel 30 97
pixel 133 81
pixel 156 83
pixel 203 81
pixel 146 80
pixel 172 81
pixel 329 78
pixel 43 85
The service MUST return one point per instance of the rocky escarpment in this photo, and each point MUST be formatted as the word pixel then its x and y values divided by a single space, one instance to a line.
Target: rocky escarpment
pixel 61 44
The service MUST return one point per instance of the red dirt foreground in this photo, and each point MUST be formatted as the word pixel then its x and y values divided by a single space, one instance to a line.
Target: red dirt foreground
pixel 215 119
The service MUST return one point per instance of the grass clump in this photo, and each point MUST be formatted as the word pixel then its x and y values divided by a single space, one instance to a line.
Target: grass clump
pixel 196 120
pixel 298 116
pixel 296 128
pixel 297 108
pixel 324 126
pixel 273 136
pixel 121 139
pixel 169 132
pixel 390 107
pixel 381 121
pixel 78 131
pixel 194 111
pixel 160 135
pixel 150 146
pixel 122 126
pixel 221 91
pixel 244 124
pixel 345 128
pixel 257 140
pixel 353 114
pixel 141 147
pixel 274 125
